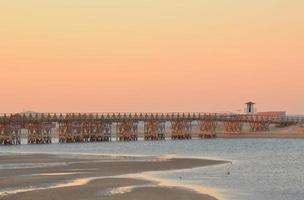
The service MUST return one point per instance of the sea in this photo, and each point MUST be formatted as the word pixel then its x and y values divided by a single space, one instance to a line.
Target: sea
pixel 258 169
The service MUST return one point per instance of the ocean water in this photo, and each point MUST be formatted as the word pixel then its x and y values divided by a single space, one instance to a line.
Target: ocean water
pixel 264 169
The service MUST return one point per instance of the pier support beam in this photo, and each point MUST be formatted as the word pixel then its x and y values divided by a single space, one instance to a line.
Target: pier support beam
pixel 84 131
pixel 127 131
pixel 154 130
pixel 39 133
pixel 233 126
pixel 100 131
pixel 181 129
pixel 70 131
pixel 10 134
pixel 259 126
pixel 106 129
pixel 207 128
pixel 87 130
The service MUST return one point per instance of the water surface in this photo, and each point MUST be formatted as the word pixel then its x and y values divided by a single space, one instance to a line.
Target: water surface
pixel 270 169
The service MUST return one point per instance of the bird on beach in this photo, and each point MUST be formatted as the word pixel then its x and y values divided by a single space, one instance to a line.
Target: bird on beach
pixel 228 169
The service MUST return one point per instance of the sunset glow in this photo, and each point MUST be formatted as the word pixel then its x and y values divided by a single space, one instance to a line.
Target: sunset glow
pixel 154 56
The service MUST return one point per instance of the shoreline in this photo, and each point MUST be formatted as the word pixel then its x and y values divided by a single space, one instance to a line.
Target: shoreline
pixel 95 178
pixel 289 133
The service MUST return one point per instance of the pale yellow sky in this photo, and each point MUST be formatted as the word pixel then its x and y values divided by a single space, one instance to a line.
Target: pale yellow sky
pixel 144 55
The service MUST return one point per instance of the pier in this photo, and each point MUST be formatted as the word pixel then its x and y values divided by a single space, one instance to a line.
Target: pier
pixel 98 127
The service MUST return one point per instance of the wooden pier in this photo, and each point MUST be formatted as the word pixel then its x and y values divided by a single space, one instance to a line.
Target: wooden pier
pixel 97 127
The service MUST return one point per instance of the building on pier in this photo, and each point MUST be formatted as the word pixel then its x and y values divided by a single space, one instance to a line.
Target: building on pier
pixel 250 109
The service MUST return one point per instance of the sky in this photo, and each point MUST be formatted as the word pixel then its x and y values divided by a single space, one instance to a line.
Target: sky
pixel 151 55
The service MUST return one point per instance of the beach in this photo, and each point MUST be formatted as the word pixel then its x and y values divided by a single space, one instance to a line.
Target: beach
pixel 51 177
pixel 292 132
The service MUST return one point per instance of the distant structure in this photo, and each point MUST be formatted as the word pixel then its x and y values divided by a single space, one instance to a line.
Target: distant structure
pixel 250 108
pixel 272 114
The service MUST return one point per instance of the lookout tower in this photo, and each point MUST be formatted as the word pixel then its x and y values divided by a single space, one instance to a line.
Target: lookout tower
pixel 250 108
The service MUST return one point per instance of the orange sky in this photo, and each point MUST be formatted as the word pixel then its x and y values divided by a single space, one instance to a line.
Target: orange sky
pixel 151 55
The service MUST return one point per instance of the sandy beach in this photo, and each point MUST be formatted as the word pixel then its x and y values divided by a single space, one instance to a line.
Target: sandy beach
pixel 50 177
pixel 292 132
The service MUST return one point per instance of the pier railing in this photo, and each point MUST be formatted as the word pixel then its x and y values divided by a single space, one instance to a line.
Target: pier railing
pixel 116 117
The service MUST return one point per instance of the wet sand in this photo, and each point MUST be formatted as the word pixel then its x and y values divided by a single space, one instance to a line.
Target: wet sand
pixel 51 177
